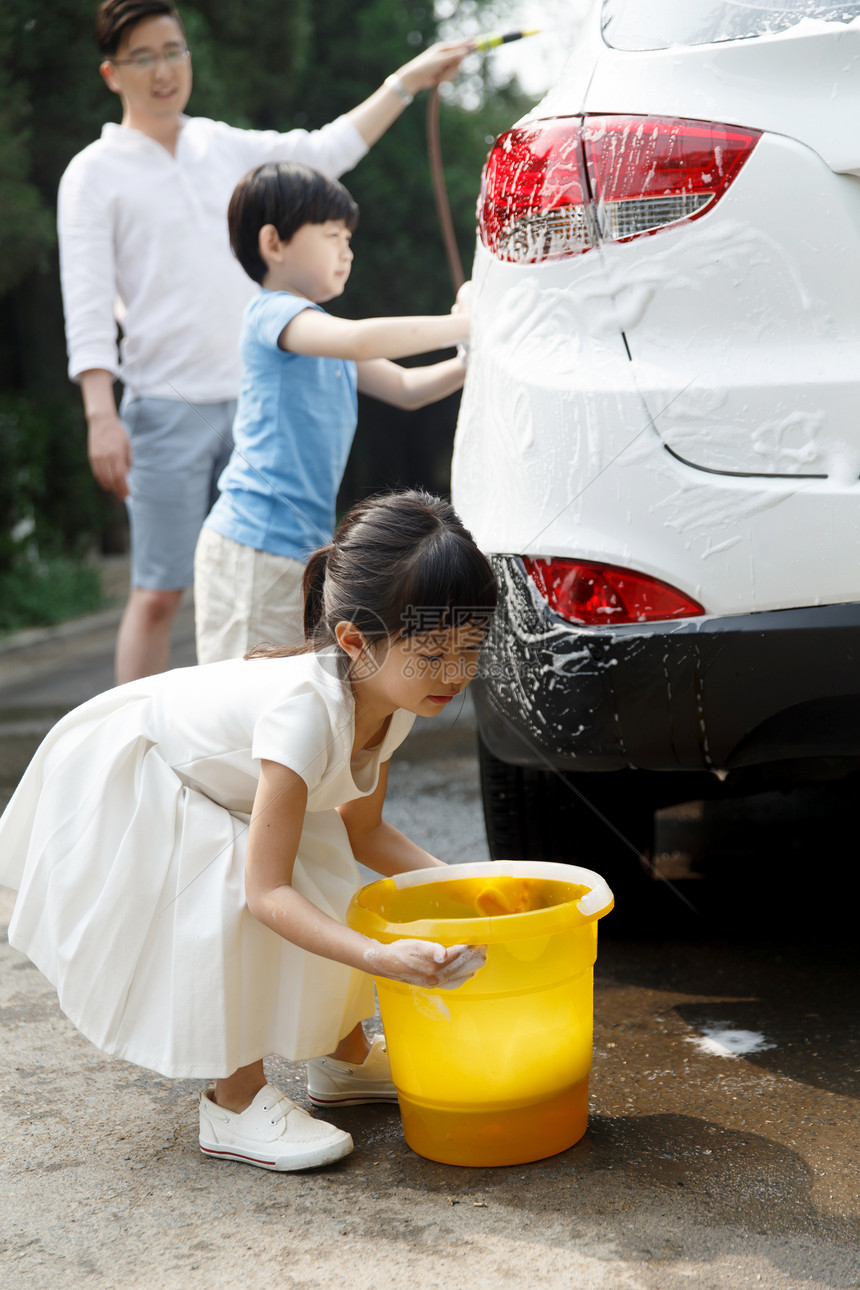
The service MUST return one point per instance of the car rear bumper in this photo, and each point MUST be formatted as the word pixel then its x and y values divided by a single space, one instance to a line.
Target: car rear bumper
pixel 706 694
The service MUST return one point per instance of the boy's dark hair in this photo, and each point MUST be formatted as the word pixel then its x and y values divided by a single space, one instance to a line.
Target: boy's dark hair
pixel 115 18
pixel 287 195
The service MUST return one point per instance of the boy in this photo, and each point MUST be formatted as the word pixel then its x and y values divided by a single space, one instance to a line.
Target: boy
pixel 143 239
pixel 290 229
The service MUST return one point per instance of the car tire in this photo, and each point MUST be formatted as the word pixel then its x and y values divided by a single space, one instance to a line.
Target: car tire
pixel 603 821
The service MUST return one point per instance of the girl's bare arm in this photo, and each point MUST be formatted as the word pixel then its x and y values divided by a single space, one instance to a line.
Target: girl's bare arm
pixel 375 843
pixel 273 843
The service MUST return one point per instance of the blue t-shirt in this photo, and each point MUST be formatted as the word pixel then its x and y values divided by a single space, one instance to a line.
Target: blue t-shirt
pixel 294 425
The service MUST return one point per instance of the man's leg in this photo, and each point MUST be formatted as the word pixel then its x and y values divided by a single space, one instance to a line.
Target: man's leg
pixel 179 450
pixel 143 643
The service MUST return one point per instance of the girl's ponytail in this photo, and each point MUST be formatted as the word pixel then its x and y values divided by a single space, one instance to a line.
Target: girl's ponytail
pixel 313 582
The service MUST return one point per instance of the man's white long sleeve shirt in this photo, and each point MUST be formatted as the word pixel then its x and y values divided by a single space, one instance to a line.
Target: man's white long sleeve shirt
pixel 143 242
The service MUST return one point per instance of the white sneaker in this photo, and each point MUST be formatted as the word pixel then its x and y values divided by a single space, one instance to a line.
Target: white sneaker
pixel 334 1083
pixel 273 1132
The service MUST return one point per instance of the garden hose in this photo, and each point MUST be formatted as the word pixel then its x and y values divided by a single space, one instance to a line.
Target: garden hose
pixel 437 169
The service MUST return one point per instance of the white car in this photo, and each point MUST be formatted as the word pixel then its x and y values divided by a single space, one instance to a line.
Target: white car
pixel 659 441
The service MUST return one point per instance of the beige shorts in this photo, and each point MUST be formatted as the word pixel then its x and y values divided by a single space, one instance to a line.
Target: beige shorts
pixel 244 598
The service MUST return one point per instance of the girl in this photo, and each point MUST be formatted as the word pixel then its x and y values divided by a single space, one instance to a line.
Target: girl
pixel 185 845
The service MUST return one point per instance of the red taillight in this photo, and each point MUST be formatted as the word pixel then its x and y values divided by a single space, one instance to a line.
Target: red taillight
pixel 647 172
pixel 534 193
pixel 556 188
pixel 600 594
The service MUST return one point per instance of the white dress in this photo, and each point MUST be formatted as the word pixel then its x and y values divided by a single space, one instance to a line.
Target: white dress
pixel 126 839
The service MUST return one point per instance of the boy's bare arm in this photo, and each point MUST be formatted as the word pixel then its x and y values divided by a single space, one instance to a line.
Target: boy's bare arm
pixel 410 387
pixel 319 335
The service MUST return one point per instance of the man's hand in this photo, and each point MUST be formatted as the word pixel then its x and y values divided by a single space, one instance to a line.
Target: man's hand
pixel 438 63
pixel 109 450
pixel 426 963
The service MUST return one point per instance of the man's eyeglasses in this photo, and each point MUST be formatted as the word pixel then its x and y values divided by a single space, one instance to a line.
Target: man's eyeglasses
pixel 147 60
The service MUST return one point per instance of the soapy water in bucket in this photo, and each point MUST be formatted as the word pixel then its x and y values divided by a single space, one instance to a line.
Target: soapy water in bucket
pixel 510 896
pixel 460 898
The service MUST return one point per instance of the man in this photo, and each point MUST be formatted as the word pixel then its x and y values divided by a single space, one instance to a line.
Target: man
pixel 143 241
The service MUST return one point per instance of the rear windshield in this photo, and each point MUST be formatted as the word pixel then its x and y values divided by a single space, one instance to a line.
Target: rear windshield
pixel 661 24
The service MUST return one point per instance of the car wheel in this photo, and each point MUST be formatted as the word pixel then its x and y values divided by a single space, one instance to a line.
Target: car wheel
pixel 604 822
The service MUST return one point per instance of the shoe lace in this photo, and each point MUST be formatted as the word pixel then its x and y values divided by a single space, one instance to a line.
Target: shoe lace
pixel 280 1109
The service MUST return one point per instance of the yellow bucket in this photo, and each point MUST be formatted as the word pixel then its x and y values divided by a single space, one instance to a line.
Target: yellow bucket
pixel 494 1072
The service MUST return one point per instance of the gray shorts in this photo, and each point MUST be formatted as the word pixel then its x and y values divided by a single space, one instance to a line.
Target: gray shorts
pixel 178 453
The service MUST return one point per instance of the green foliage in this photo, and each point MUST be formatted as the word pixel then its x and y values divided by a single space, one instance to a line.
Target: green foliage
pixel 53 511
pixel 248 56
pixel 26 231
pixel 51 59
pixel 40 593
pixel 399 256
pixel 49 500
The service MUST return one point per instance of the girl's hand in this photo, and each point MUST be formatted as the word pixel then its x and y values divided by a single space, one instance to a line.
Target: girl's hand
pixel 425 963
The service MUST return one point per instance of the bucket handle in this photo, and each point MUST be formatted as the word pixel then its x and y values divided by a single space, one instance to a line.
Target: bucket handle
pixel 598 900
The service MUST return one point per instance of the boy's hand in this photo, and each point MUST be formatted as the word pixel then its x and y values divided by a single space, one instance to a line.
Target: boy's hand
pixel 426 963
pixel 438 63
pixel 463 303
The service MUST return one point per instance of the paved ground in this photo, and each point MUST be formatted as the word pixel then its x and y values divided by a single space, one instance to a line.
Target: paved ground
pixel 700 1168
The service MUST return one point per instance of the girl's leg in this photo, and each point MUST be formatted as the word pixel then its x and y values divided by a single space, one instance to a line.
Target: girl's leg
pixel 237 1091
pixel 355 1073
pixel 353 1047
pixel 275 1133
